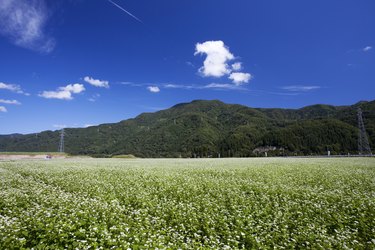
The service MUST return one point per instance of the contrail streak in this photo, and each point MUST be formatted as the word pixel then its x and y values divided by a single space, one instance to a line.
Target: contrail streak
pixel 127 12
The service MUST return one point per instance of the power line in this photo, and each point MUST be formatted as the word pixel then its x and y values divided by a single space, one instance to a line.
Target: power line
pixel 363 144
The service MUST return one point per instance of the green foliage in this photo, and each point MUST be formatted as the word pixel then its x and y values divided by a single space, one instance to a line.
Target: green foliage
pixel 188 204
pixel 210 129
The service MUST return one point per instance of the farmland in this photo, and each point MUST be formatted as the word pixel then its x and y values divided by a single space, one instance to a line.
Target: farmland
pixel 188 203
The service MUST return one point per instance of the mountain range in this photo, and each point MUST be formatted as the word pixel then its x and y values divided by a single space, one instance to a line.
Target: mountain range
pixel 212 128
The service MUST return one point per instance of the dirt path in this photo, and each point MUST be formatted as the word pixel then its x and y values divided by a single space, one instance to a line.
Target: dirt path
pixel 28 157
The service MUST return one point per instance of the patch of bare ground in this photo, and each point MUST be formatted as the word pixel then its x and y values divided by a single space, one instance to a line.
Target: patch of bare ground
pixel 29 157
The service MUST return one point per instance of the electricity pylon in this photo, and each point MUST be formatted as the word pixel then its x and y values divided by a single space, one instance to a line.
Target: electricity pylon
pixel 363 144
pixel 61 146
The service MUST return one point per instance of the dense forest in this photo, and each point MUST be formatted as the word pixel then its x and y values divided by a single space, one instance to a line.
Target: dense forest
pixel 212 129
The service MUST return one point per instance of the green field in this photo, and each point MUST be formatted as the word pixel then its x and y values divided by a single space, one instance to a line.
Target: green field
pixel 188 203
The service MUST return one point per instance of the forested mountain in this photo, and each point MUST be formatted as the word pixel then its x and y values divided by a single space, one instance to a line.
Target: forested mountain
pixel 212 128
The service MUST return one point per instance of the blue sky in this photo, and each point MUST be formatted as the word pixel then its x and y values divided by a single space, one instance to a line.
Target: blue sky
pixel 86 62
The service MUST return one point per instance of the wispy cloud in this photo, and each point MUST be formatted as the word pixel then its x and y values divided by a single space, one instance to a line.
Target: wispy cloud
pixel 190 64
pixel 300 88
pixel 13 102
pixel 23 22
pixel 218 86
pixel 133 84
pixel 367 48
pixel 59 126
pixel 292 90
pixel 13 87
pixel 89 125
pixel 75 125
pixel 64 93
pixel 96 82
pixel 94 98
pixel 158 86
pixel 127 12
pixel 3 109
pixel 227 86
pixel 178 86
pixel 153 89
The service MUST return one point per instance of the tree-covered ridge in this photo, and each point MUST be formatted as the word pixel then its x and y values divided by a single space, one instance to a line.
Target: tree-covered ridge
pixel 211 129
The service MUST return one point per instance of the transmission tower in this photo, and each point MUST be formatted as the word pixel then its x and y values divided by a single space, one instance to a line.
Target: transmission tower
pixel 61 146
pixel 363 144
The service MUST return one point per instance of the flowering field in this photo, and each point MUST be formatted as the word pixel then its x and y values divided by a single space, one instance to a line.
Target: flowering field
pixel 188 203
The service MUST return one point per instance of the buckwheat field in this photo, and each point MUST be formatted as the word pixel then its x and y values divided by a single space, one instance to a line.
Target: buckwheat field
pixel 188 203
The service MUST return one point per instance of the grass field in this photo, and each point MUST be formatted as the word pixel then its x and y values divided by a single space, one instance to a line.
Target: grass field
pixel 188 203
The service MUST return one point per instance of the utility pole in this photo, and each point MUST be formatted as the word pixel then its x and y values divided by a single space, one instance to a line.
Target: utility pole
pixel 363 144
pixel 61 146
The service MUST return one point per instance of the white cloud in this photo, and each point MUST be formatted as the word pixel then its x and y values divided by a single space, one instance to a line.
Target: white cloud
pixel 61 94
pixel 3 109
pixel 96 82
pixel 64 93
pixel 216 62
pixel 239 78
pixel 237 66
pixel 23 22
pixel 12 87
pixel 73 88
pixel 153 89
pixel 15 102
pixel 300 88
pixel 367 48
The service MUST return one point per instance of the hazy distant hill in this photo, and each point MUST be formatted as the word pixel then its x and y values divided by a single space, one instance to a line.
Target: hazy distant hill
pixel 209 128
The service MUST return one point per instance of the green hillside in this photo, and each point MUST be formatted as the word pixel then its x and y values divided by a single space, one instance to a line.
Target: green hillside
pixel 212 128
